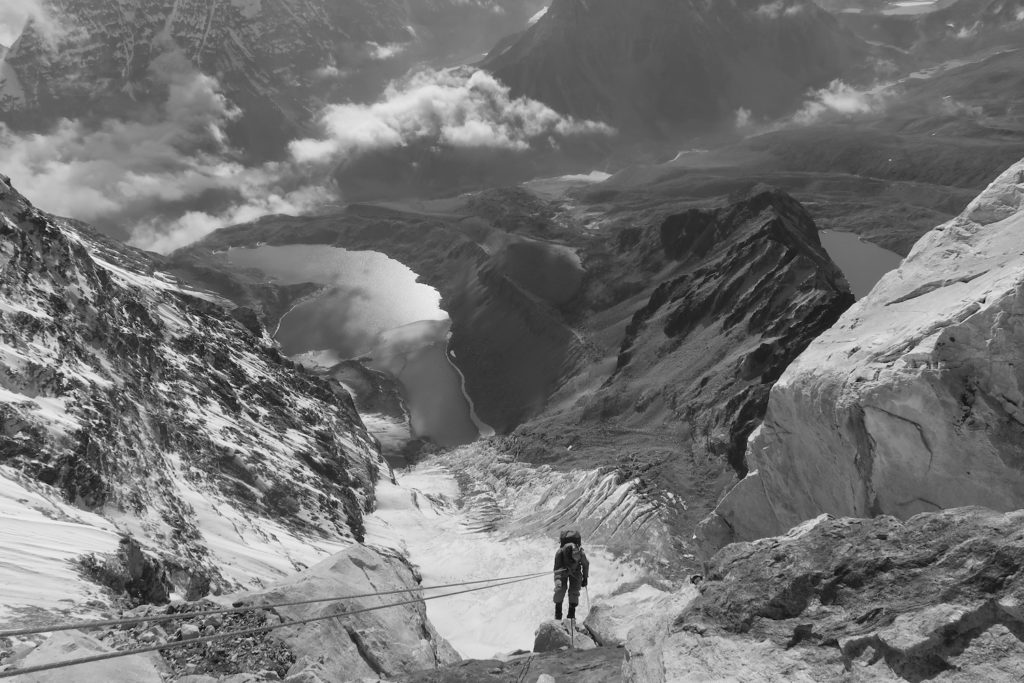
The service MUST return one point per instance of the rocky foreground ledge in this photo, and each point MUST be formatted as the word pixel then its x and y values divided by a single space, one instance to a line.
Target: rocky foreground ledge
pixel 939 597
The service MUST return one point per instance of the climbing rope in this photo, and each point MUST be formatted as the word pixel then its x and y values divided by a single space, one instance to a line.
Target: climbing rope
pixel 82 625
pixel 261 629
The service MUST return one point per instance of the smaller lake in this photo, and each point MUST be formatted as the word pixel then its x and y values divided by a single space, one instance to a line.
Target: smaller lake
pixel 862 263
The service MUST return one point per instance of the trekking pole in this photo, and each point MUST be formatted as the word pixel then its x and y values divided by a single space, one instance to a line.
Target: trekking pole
pixel 587 590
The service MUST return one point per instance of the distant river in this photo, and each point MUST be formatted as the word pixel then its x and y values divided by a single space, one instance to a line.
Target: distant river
pixel 373 308
pixel 862 263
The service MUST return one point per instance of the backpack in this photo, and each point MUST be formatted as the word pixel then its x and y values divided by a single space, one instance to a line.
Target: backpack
pixel 571 543
pixel 570 536
pixel 571 557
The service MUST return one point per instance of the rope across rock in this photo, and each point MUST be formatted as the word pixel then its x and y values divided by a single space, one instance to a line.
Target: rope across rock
pixel 494 583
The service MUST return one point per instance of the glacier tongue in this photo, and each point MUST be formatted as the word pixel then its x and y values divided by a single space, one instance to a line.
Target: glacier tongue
pixel 453 537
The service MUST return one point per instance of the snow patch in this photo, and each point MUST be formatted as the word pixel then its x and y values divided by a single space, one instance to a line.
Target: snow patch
pixel 40 540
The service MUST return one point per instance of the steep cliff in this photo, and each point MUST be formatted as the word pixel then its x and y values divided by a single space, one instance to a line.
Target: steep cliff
pixel 128 395
pixel 728 297
pixel 913 401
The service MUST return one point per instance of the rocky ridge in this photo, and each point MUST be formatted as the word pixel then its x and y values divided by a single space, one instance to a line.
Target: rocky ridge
pixel 911 402
pixel 724 299
pixel 151 404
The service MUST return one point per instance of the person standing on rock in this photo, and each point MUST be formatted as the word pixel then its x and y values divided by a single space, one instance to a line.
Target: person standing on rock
pixel 572 568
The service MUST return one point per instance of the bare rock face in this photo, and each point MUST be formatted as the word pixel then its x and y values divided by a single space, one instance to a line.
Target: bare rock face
pixel 144 668
pixel 134 397
pixel 938 597
pixel 552 636
pixel 377 644
pixel 914 400
pixel 609 621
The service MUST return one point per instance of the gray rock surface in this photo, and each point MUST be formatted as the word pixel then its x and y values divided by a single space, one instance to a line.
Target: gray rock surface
pixel 938 597
pixel 381 643
pixel 609 621
pixel 76 644
pixel 913 401
pixel 553 636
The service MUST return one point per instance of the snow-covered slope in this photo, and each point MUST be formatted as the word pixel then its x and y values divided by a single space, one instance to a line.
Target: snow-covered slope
pixel 127 395
pixel 914 400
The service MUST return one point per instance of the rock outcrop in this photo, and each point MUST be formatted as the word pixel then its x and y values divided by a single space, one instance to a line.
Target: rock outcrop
pixel 553 636
pixel 343 644
pixel 913 401
pixel 382 643
pixel 67 645
pixel 127 394
pixel 935 598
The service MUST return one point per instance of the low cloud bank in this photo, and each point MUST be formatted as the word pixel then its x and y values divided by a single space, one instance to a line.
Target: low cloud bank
pixel 161 182
pixel 171 177
pixel 838 98
pixel 453 108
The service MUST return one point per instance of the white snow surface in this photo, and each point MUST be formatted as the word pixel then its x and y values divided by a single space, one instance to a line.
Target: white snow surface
pixel 40 539
pixel 422 517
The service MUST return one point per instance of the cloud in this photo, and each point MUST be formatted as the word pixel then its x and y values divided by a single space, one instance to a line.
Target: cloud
pixel 841 99
pixel 14 14
pixel 170 176
pixel 775 10
pixel 386 51
pixel 161 182
pixel 744 118
pixel 454 108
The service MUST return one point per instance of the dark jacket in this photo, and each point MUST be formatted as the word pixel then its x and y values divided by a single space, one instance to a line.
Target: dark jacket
pixel 580 571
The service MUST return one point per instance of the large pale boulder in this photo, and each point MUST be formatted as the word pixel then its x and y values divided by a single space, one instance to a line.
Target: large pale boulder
pixel 556 635
pixel 381 643
pixel 914 400
pixel 610 619
pixel 68 645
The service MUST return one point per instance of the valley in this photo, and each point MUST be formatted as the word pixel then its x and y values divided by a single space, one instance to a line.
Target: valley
pixel 358 305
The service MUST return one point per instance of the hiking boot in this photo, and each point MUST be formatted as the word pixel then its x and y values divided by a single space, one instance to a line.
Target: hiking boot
pixel 558 612
pixel 572 612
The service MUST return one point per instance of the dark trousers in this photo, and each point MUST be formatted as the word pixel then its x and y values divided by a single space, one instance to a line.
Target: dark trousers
pixel 573 588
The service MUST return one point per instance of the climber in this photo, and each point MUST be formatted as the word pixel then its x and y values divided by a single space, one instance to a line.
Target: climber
pixel 572 568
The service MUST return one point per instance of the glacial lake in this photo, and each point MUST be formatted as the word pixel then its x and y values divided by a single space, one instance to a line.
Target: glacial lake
pixel 862 263
pixel 373 308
